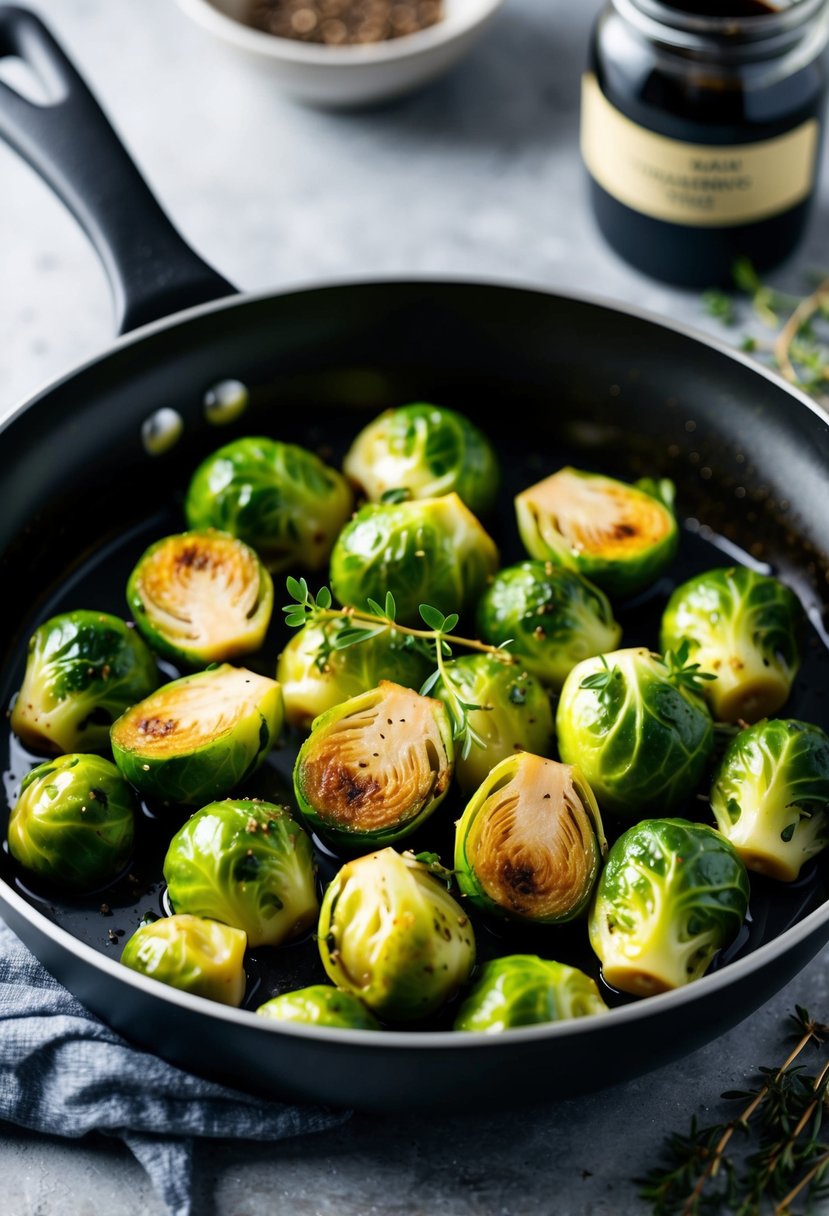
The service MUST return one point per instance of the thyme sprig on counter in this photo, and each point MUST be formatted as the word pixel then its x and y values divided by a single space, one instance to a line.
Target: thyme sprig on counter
pixel 786 1155
pixel 435 642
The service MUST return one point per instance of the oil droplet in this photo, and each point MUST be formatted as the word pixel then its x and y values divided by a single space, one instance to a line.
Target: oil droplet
pixel 225 401
pixel 162 431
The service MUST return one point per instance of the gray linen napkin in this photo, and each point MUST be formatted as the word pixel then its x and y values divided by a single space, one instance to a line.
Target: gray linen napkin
pixel 64 1072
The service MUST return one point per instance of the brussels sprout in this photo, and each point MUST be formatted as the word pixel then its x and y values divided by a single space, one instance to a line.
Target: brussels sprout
pixel 315 676
pixel 73 823
pixel 187 952
pixel 670 896
pixel 320 1005
pixel 428 450
pixel 523 990
pixel 530 842
pixel 515 713
pixel 553 618
pixel 201 597
pixel 392 934
pixel 637 729
pixel 84 669
pixel 198 737
pixel 770 796
pixel 374 768
pixel 741 627
pixel 247 864
pixel 619 536
pixel 433 551
pixel 280 499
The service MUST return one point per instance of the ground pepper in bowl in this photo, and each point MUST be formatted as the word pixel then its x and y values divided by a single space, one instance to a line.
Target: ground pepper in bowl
pixel 344 22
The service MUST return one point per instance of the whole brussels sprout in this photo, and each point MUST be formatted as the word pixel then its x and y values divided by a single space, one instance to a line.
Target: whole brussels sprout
pixel 390 933
pixel 770 796
pixel 619 536
pixel 198 737
pixel 320 1005
pixel 428 450
pixel 195 955
pixel 741 627
pixel 315 676
pixel 280 499
pixel 671 895
pixel 83 670
pixel 374 768
pixel 552 617
pixel 523 990
pixel 247 864
pixel 430 551
pixel 73 822
pixel 201 597
pixel 515 713
pixel 637 729
pixel 530 843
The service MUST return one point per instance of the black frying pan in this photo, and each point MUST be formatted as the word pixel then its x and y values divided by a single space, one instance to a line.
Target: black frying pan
pixel 553 379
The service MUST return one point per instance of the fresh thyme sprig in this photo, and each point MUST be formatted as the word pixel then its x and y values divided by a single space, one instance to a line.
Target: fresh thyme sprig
pixel 791 1158
pixel 681 672
pixel 436 642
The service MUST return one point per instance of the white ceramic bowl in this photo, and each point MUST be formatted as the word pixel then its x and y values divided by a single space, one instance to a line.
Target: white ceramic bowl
pixel 344 76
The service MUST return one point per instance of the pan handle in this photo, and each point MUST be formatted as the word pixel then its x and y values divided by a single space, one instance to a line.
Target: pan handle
pixel 69 142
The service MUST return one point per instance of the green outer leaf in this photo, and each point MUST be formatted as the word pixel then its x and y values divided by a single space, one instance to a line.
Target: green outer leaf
pixel 192 954
pixel 525 990
pixel 320 1005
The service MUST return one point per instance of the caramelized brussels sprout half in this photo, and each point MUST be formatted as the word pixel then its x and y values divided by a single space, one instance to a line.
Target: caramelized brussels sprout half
pixel 374 768
pixel 530 843
pixel 247 864
pixel 195 955
pixel 552 617
pixel 671 895
pixel 201 597
pixel 315 676
pixel 390 933
pixel 637 729
pixel 770 796
pixel 515 714
pixel 73 822
pixel 524 990
pixel 619 536
pixel 320 1005
pixel 741 627
pixel 428 450
pixel 280 499
pixel 198 737
pixel 430 551
pixel 83 670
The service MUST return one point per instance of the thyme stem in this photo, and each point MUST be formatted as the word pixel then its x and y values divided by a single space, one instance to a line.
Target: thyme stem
pixel 782 1208
pixel 805 310
pixel 429 635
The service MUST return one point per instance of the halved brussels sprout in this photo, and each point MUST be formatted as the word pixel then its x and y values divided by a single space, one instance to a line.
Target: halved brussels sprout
pixel 530 843
pixel 741 627
pixel 640 735
pixel 671 895
pixel 619 536
pixel 515 714
pixel 195 955
pixel 248 864
pixel 198 737
pixel 553 618
pixel 84 669
pixel 315 676
pixel 392 934
pixel 428 450
pixel 201 597
pixel 374 768
pixel 770 796
pixel 320 1005
pixel 73 822
pixel 523 990
pixel 431 551
pixel 280 499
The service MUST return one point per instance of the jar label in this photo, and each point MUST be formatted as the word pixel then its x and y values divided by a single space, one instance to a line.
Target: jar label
pixel 700 185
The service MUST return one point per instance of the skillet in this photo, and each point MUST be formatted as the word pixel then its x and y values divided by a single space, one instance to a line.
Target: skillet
pixel 553 379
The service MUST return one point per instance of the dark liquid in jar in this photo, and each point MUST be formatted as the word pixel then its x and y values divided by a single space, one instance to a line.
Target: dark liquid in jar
pixel 734 8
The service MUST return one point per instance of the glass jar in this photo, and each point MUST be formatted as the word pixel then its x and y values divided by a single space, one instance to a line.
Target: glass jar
pixel 701 131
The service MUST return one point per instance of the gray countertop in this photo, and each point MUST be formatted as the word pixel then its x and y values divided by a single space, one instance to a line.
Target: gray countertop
pixel 478 176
